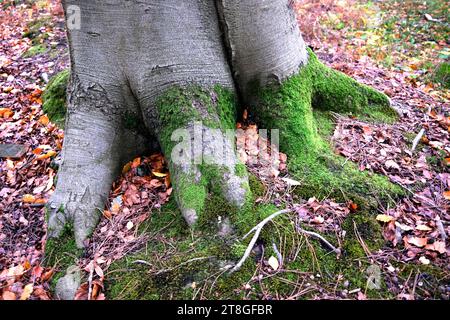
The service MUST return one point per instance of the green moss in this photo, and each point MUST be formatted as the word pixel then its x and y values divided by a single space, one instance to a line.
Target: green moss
pixel 240 170
pixel 61 252
pixel 54 97
pixel 214 107
pixel 304 133
pixel 35 50
pixel 442 75
pixel 256 186
pixel 368 229
pixel 34 32
pixel 171 253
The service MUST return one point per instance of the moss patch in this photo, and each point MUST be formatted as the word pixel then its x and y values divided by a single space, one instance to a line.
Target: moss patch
pixel 54 98
pixel 60 253
pixel 442 75
pixel 305 132
pixel 35 50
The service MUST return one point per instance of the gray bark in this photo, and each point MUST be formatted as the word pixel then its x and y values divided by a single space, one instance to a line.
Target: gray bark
pixel 264 41
pixel 128 53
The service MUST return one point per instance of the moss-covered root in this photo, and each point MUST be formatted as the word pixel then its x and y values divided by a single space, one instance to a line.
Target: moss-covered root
pixel 334 91
pixel 195 128
pixel 54 97
pixel 293 109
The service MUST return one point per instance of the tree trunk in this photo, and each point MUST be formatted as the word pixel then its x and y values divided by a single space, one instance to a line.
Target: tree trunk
pixel 168 65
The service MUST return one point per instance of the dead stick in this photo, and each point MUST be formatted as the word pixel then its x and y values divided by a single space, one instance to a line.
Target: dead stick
pixel 417 139
pixel 257 229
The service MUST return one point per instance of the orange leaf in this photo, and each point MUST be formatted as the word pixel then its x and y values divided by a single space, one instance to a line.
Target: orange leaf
pixel 136 163
pixel 107 214
pixel 447 194
pixel 44 120
pixel 167 181
pixel 47 275
pixel 126 168
pixel 3 111
pixel 26 265
pixel 352 206
pixel 28 198
pixel 37 151
pixel 49 154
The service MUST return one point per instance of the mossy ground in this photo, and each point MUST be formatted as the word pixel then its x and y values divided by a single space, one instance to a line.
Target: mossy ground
pixel 54 98
pixel 35 31
pixel 442 75
pixel 61 253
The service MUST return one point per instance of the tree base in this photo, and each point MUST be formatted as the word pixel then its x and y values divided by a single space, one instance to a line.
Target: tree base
pixel 299 108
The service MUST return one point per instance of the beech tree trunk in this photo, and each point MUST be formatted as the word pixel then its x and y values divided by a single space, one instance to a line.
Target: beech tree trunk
pixel 164 65
pixel 126 55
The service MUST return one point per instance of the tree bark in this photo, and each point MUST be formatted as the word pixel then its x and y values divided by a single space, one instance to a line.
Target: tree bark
pixel 169 65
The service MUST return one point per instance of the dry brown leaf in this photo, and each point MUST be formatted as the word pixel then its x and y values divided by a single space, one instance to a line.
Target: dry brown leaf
pixel 27 291
pixel 8 295
pixel 416 241
pixel 438 246
pixel 384 218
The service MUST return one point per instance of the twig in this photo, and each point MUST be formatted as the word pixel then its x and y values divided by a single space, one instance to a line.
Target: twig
pixel 441 228
pixel 316 235
pixel 257 229
pixel 417 139
pixel 278 253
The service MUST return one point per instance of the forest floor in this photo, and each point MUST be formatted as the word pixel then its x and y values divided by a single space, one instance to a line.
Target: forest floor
pixel 400 48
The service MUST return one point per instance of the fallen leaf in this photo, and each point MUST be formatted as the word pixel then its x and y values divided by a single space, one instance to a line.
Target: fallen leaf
pixel 130 225
pixel 438 246
pixel 273 263
pixel 424 260
pixel 318 220
pixel 423 227
pixel 159 174
pixel 384 218
pixel 291 182
pixel 26 293
pixel 8 295
pixel 392 164
pixel 44 120
pixel 447 194
pixel 403 227
pixel 416 241
pixel 28 198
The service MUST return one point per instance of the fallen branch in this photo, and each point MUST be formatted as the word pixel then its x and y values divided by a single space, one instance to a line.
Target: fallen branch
pixel 257 229
pixel 172 268
pixel 417 139
pixel 318 236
